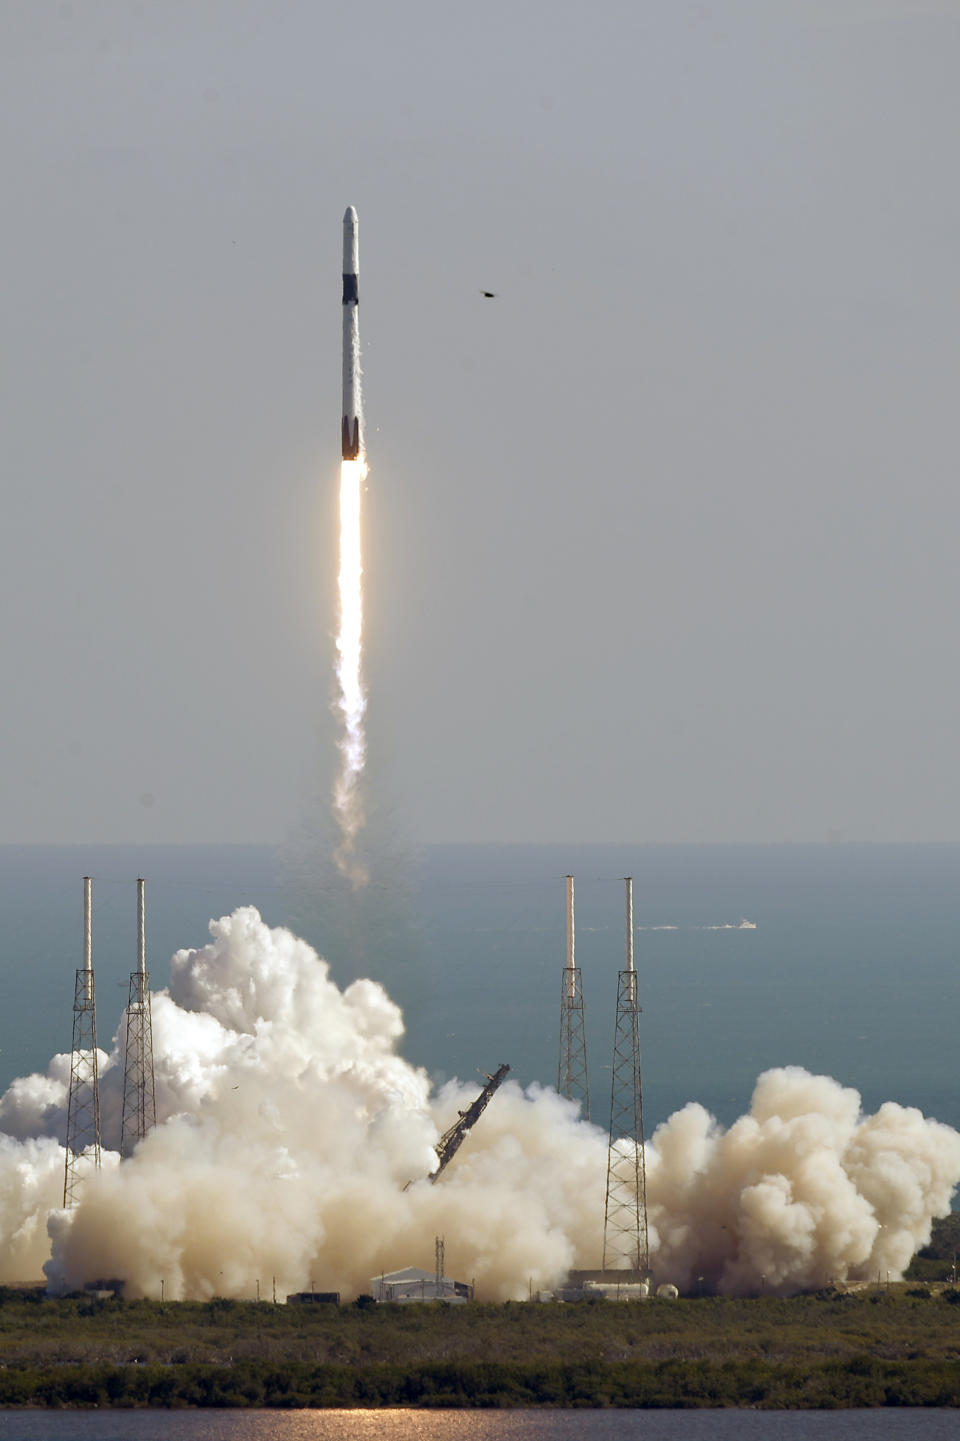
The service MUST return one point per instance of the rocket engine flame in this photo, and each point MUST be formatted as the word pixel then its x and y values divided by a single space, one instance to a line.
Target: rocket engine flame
pixel 351 702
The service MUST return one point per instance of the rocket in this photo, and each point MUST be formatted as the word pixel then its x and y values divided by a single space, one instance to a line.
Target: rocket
pixel 352 426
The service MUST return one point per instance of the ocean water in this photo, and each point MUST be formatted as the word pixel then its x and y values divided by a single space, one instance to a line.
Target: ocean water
pixel 398 1425
pixel 851 969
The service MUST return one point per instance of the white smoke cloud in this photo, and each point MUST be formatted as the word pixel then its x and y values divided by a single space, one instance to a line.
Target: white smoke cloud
pixel 31 1184
pixel 802 1191
pixel 289 1125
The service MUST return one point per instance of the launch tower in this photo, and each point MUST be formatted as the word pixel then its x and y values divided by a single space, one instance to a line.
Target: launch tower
pixel 572 1077
pixel 625 1242
pixel 139 1092
pixel 83 1101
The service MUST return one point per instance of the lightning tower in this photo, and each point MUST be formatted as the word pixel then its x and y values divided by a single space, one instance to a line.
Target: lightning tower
pixel 139 1092
pixel 83 1101
pixel 626 1244
pixel 572 1078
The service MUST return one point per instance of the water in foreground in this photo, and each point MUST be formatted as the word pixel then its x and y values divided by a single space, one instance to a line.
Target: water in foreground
pixel 403 1425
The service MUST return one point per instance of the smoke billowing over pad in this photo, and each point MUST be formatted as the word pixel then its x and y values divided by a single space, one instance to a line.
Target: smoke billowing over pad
pixel 289 1125
pixel 802 1191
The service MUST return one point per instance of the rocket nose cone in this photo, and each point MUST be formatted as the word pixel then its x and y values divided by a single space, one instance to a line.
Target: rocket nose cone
pixel 349 216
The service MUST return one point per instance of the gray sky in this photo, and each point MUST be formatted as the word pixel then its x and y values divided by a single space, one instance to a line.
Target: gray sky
pixel 661 543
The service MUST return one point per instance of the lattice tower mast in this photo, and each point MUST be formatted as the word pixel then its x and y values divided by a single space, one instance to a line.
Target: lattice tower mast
pixel 626 1243
pixel 83 1100
pixel 572 1075
pixel 139 1090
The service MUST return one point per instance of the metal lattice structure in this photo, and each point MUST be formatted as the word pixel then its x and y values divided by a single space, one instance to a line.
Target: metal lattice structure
pixel 83 1101
pixel 572 1075
pixel 139 1091
pixel 626 1243
pixel 452 1139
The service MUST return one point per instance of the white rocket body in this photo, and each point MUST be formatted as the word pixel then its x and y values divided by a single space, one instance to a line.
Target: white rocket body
pixel 352 425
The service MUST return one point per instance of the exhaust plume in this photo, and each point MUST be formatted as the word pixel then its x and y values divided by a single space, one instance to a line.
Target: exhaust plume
pixel 351 701
pixel 288 1127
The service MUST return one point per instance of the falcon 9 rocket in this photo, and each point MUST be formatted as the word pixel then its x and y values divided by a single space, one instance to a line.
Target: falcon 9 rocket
pixel 352 426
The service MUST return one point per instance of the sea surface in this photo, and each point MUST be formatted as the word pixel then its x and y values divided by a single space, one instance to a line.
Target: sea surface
pixel 917 1425
pixel 851 967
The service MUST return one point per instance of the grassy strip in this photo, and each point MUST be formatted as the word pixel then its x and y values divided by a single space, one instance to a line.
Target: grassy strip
pixel 887 1347
pixel 888 1325
pixel 862 1383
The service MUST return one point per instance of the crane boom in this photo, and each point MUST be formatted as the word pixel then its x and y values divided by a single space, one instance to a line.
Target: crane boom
pixel 452 1139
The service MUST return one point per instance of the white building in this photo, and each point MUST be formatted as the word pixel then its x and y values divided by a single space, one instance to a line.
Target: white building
pixel 413 1284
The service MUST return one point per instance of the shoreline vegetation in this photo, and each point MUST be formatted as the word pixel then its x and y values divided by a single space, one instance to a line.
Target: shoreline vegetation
pixel 895 1345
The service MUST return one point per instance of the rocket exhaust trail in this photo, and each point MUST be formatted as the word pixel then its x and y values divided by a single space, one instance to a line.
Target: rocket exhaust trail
pixel 351 701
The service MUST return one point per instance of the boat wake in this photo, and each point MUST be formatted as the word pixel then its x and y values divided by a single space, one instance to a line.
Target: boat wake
pixel 742 925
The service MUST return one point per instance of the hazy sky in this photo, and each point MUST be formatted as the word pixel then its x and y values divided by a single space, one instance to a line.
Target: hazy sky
pixel 661 542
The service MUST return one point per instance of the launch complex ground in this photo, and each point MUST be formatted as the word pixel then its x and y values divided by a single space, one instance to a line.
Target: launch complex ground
pixel 895 1345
